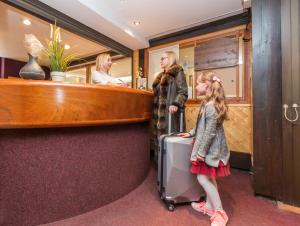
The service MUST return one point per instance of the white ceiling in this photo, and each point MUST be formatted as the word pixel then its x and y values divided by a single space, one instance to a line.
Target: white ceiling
pixel 12 33
pixel 114 18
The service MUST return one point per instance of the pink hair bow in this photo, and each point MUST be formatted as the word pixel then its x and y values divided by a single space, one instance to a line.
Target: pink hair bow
pixel 215 78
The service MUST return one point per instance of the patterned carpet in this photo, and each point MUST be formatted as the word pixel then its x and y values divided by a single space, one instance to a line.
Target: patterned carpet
pixel 142 207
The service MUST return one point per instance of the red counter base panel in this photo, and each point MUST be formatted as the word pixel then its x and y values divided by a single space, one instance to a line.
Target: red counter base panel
pixel 56 173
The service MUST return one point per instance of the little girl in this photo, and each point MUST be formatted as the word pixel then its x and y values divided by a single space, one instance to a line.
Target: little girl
pixel 210 153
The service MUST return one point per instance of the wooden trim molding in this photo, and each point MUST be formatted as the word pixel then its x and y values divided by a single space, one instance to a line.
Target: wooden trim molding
pixel 290 208
pixel 236 20
pixel 50 14
pixel 200 38
pixel 41 104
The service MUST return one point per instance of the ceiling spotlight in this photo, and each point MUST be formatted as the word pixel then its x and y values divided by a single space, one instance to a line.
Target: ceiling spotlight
pixel 26 22
pixel 136 23
pixel 67 46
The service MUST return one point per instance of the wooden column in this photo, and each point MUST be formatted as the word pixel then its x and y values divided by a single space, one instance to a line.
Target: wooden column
pixel 135 67
pixel 267 94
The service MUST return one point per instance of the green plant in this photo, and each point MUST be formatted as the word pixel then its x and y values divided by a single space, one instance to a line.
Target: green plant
pixel 55 51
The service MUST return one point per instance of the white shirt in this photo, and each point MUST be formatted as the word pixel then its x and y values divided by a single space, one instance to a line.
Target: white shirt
pixel 103 78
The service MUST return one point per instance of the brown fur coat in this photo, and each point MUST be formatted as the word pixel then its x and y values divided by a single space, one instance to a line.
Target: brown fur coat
pixel 170 88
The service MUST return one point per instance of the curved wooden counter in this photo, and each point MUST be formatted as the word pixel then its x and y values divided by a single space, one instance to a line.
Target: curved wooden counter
pixel 49 174
pixel 37 104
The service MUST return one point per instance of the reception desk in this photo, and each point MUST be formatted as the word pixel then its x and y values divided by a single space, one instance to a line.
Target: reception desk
pixel 66 149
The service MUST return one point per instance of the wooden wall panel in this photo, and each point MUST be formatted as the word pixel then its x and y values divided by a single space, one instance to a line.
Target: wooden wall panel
pixel 290 22
pixel 238 128
pixel 267 97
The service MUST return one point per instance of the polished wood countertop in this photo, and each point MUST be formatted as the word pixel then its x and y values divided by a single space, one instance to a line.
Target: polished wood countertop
pixel 39 104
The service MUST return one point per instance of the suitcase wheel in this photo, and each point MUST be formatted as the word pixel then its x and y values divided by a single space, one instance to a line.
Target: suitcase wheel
pixel 171 207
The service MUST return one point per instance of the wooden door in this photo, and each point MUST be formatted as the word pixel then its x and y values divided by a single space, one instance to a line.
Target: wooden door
pixel 291 99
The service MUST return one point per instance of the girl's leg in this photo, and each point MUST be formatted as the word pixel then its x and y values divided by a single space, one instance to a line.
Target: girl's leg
pixel 208 201
pixel 210 187
pixel 211 191
pixel 213 180
pixel 209 204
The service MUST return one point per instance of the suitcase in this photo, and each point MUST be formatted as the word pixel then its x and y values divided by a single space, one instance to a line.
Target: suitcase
pixel 175 182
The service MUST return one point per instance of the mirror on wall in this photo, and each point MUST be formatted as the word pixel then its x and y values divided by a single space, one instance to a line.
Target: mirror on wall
pixel 225 54
pixel 15 24
pixel 186 60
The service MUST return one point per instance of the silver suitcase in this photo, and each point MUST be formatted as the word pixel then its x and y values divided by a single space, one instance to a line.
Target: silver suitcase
pixel 175 182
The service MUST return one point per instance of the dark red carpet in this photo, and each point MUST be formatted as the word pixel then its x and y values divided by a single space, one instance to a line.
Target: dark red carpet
pixel 142 207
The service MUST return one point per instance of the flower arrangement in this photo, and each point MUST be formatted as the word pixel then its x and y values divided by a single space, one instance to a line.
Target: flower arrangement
pixel 33 45
pixel 55 51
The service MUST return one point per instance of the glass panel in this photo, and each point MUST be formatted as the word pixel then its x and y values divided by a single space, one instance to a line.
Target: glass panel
pixel 76 75
pixel 120 69
pixel 14 50
pixel 186 60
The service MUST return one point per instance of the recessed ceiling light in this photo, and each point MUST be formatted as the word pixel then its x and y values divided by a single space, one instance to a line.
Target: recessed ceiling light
pixel 136 23
pixel 67 46
pixel 114 63
pixel 26 22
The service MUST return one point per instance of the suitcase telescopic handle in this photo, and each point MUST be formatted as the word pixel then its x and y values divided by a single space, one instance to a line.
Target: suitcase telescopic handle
pixel 181 109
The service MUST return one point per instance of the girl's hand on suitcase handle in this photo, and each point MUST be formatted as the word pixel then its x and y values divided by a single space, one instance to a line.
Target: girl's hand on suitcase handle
pixel 184 135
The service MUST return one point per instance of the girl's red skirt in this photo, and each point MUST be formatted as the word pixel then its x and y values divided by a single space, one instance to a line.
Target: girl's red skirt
pixel 204 169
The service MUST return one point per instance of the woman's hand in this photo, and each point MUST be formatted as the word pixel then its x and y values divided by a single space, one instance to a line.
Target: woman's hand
pixel 173 109
pixel 184 135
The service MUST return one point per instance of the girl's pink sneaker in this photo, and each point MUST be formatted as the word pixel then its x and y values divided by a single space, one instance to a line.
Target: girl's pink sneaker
pixel 201 207
pixel 220 218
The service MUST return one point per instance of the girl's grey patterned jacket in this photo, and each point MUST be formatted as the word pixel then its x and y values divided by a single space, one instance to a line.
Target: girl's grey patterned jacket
pixel 210 140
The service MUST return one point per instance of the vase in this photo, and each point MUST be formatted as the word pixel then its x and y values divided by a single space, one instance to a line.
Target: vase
pixel 57 76
pixel 32 70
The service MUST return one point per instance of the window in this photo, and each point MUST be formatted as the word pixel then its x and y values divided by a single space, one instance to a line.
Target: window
pixel 120 69
pixel 76 75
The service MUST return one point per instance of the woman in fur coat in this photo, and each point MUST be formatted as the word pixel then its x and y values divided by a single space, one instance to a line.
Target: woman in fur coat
pixel 170 93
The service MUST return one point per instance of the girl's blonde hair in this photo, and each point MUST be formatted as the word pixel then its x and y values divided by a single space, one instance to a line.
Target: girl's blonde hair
pixel 101 60
pixel 215 92
pixel 172 57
